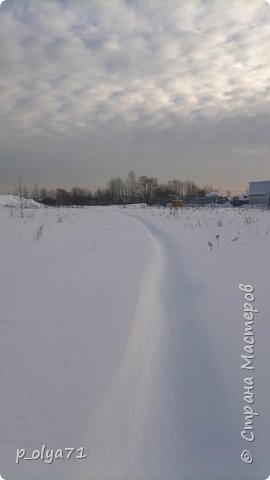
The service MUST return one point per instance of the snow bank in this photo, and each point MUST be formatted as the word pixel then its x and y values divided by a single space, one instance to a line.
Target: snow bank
pixel 14 201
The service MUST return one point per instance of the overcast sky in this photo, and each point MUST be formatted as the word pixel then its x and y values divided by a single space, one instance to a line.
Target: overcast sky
pixel 170 88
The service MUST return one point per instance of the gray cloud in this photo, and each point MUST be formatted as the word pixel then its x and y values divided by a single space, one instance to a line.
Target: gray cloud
pixel 82 70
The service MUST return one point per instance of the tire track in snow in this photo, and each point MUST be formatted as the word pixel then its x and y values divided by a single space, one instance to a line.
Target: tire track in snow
pixel 166 411
pixel 203 420
pixel 127 434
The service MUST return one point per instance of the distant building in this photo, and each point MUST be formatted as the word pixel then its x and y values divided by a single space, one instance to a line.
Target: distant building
pixel 259 193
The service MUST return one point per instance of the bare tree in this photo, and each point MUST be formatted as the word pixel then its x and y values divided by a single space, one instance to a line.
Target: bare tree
pixel 176 187
pixel 62 197
pixel 161 193
pixel 35 192
pixel 43 193
pixel 20 187
pixel 132 185
pixel 116 190
pixel 25 195
pixel 146 187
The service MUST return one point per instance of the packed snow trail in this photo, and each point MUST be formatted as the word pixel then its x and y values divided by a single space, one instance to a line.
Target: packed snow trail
pixel 166 413
pixel 129 410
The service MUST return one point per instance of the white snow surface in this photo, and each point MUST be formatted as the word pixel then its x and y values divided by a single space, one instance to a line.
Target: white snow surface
pixel 14 201
pixel 122 331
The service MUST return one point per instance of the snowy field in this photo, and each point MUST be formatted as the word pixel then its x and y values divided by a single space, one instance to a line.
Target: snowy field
pixel 122 331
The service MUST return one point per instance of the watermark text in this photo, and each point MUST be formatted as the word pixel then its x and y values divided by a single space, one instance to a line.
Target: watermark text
pixel 49 455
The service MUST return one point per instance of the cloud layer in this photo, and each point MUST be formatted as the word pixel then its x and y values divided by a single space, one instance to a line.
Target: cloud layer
pixel 93 88
pixel 69 66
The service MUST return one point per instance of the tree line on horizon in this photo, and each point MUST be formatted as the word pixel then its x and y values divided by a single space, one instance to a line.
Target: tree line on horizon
pixel 120 191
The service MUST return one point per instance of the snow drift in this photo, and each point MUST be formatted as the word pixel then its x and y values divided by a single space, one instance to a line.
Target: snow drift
pixel 14 201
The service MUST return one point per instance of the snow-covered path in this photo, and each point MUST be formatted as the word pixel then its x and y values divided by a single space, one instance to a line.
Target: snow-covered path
pixel 120 340
pixel 196 401
pixel 167 413
pixel 128 418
